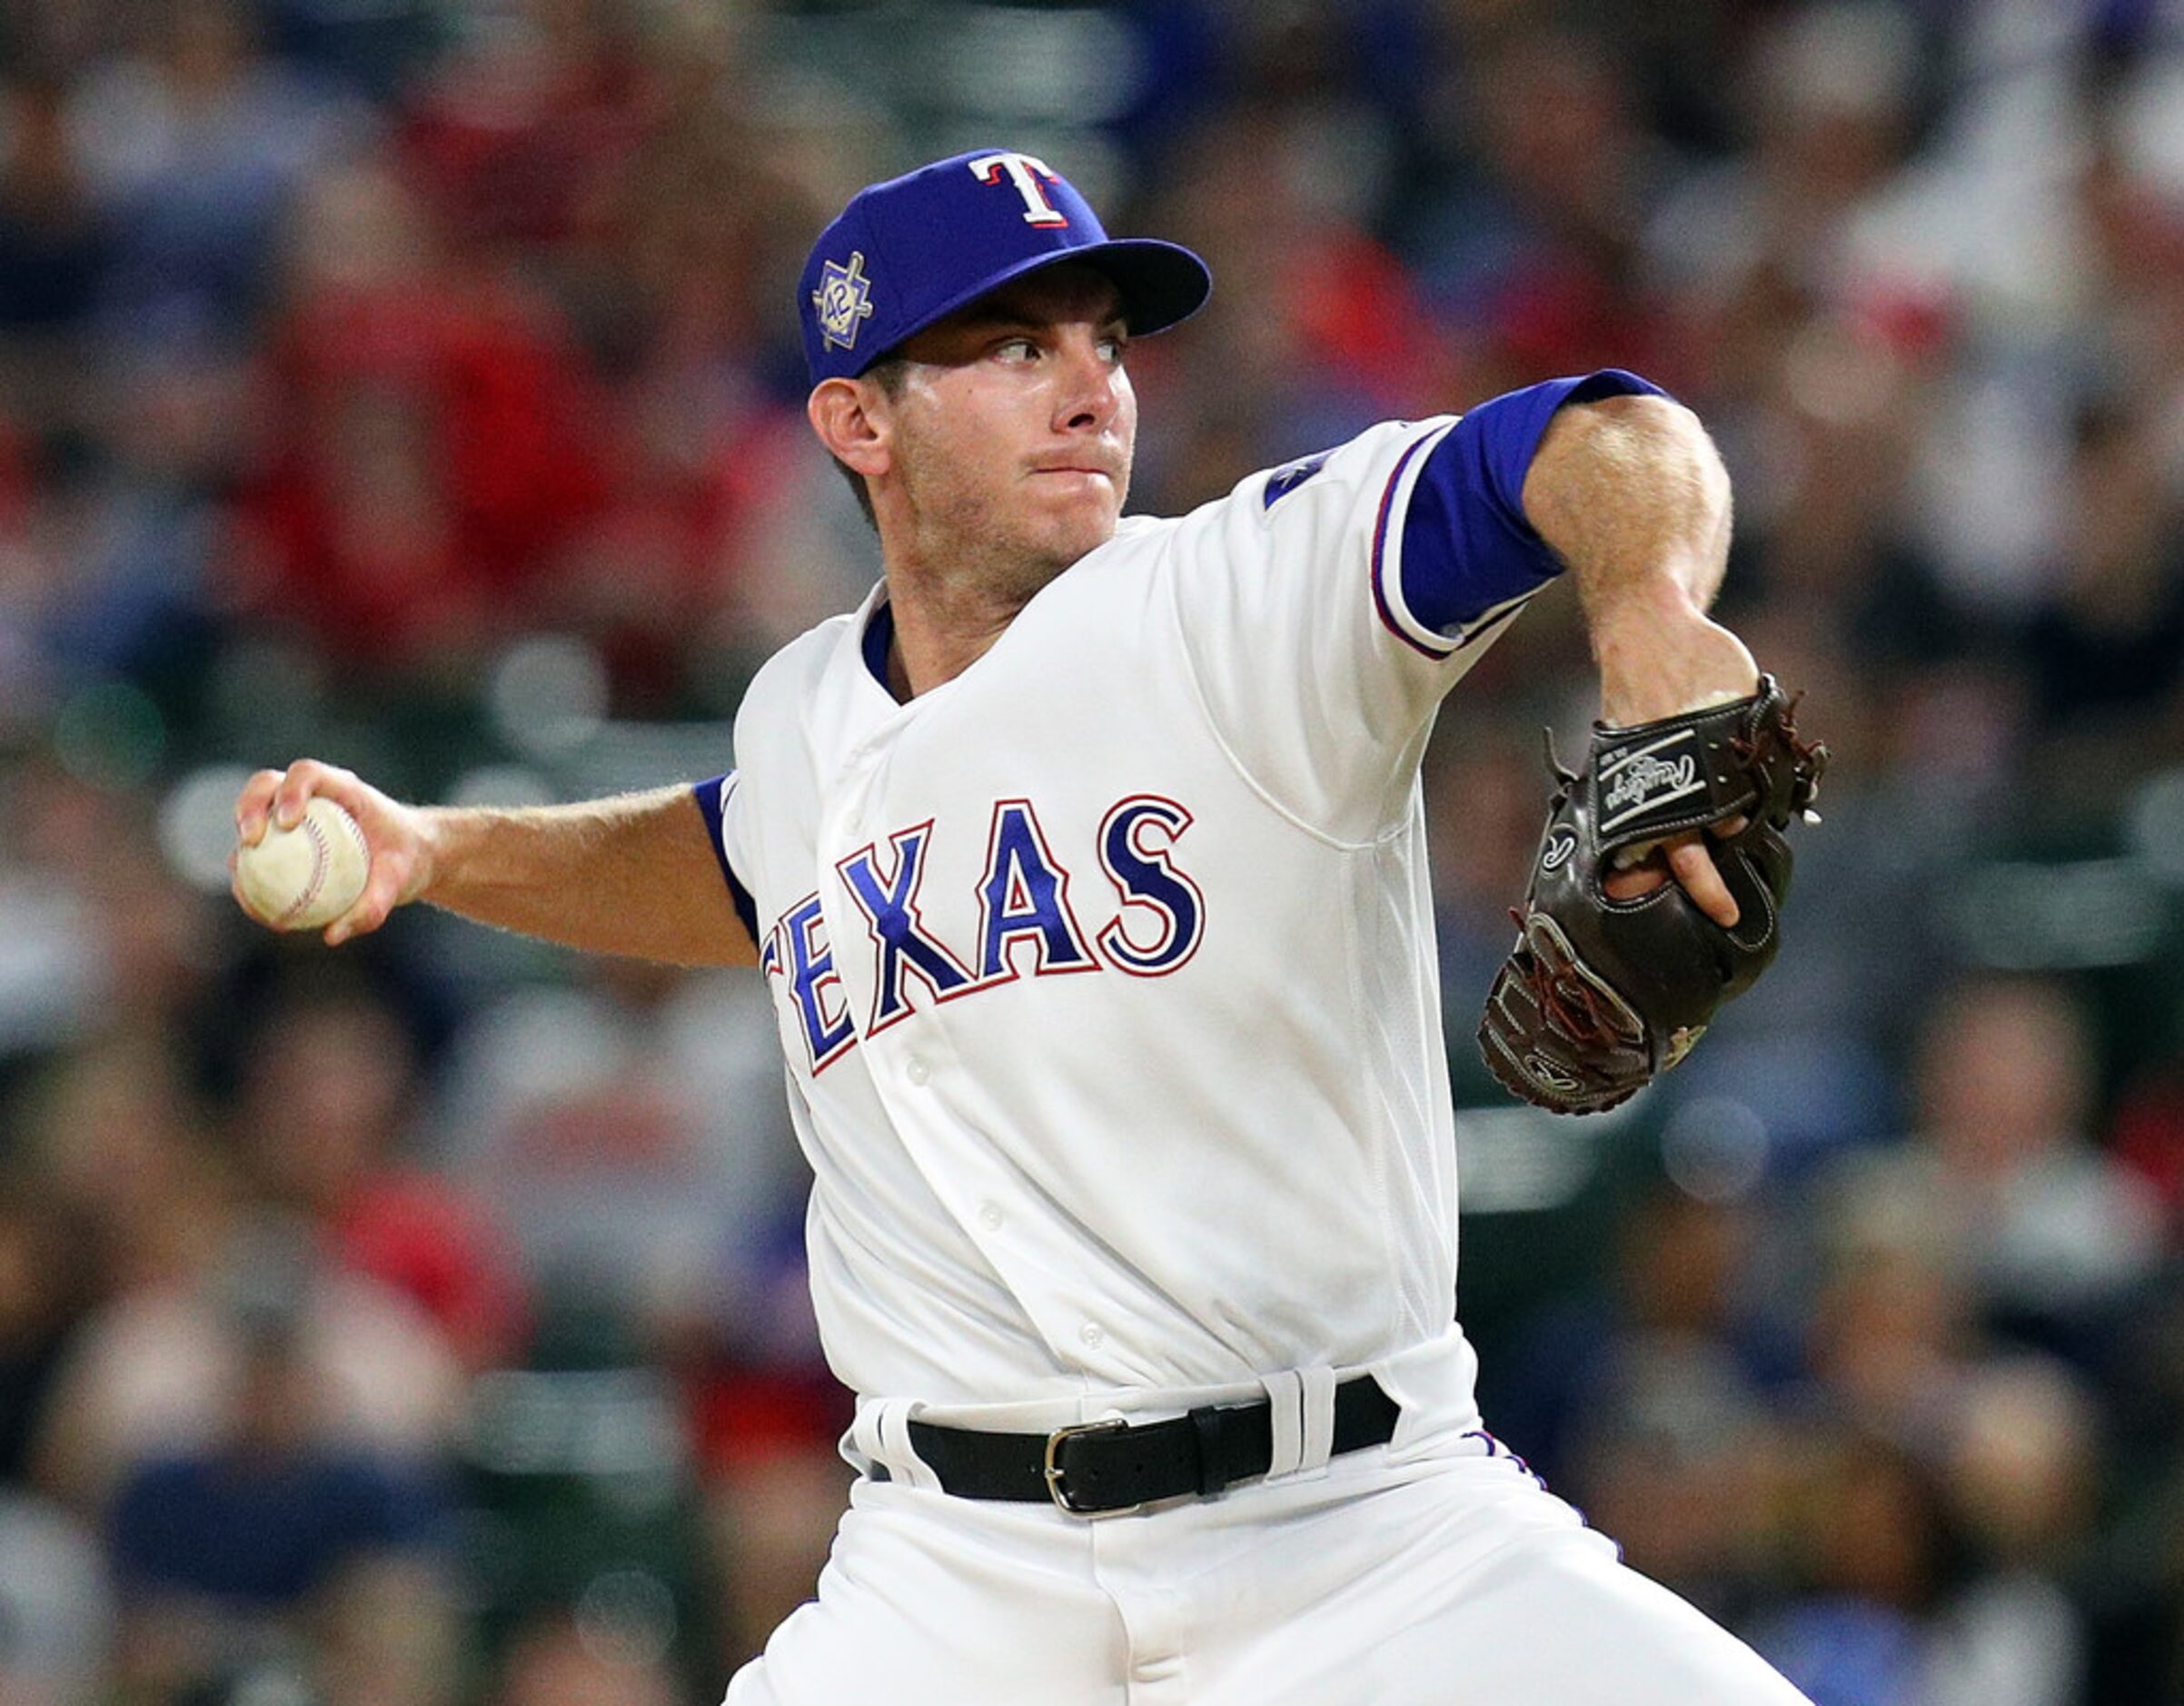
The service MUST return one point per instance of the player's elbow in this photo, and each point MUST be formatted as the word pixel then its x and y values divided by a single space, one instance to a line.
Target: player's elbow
pixel 1641 438
pixel 1646 460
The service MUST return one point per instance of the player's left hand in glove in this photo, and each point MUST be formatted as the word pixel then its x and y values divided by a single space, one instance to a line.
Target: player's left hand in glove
pixel 1600 995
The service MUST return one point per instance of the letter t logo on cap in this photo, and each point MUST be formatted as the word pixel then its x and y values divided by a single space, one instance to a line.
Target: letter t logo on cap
pixel 1025 173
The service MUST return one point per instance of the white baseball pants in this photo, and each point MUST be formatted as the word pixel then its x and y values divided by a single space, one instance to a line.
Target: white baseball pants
pixel 1389 1578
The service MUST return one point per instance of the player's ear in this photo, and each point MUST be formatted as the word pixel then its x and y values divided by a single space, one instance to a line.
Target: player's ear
pixel 848 415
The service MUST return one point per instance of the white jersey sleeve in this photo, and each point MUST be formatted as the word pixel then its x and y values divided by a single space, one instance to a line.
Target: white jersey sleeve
pixel 1327 605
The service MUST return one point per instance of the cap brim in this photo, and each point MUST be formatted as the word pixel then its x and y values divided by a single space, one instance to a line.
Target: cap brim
pixel 1161 284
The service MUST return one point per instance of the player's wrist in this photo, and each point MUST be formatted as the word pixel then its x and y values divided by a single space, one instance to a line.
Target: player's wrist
pixel 429 833
pixel 1662 656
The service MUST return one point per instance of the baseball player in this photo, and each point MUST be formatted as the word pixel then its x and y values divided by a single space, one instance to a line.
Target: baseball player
pixel 1085 864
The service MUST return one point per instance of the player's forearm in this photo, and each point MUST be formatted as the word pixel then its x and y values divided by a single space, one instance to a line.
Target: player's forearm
pixel 1630 493
pixel 633 876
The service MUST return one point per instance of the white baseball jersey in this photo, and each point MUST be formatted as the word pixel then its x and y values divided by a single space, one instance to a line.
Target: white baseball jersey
pixel 1106 970
pixel 1106 974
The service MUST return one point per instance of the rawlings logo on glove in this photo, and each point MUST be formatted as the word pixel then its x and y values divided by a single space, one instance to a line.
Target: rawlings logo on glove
pixel 1599 996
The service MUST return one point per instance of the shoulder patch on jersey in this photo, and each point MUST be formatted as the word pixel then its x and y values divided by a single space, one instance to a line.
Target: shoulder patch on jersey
pixel 1289 476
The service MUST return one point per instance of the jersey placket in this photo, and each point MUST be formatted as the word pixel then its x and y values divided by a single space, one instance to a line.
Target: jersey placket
pixel 918 1074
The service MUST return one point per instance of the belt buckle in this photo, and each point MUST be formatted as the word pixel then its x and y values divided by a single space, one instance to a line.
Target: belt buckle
pixel 1054 1471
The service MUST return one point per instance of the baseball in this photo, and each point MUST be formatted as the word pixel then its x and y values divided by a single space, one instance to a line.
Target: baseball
pixel 305 877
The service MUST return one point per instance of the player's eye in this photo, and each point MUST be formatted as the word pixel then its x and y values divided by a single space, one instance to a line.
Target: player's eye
pixel 1017 349
pixel 1115 347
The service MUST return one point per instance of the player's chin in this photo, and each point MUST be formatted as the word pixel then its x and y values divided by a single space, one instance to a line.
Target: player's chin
pixel 1074 521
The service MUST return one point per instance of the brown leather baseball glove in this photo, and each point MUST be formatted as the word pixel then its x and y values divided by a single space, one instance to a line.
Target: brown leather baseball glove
pixel 1601 994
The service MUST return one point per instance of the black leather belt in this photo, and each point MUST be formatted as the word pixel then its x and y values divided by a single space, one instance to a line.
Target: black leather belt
pixel 1099 1468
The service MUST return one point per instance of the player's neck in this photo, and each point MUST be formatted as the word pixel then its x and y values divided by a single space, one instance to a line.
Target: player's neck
pixel 945 623
pixel 936 640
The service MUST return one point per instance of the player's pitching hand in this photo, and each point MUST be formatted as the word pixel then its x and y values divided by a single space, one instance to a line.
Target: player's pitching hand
pixel 396 835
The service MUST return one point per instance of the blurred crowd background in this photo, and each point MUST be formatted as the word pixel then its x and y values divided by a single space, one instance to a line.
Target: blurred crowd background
pixel 413 383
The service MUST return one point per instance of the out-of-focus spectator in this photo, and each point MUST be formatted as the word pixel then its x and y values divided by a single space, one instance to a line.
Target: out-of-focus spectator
pixel 56 1609
pixel 192 144
pixel 2107 640
pixel 1827 96
pixel 1870 1545
pixel 1536 258
pixel 1999 1214
pixel 631 1132
pixel 1331 336
pixel 159 1371
pixel 1890 1333
pixel 44 1276
pixel 99 939
pixel 524 131
pixel 280 1525
pixel 428 436
pixel 325 1115
pixel 565 1660
pixel 1682 1295
pixel 54 248
pixel 765 1416
pixel 124 1157
pixel 2057 1232
pixel 1945 1577
pixel 2019 1477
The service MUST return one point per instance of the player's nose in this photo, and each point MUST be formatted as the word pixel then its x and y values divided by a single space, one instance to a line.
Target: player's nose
pixel 1090 391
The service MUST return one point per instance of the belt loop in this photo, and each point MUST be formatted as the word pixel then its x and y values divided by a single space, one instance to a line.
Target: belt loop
pixel 1285 1412
pixel 864 1432
pixel 882 1431
pixel 1318 1407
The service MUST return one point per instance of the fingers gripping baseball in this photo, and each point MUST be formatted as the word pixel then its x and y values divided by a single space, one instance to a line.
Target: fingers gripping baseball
pixel 395 843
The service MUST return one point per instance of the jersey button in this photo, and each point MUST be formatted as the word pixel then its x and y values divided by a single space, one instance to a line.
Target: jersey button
pixel 990 1217
pixel 916 1069
pixel 1093 1334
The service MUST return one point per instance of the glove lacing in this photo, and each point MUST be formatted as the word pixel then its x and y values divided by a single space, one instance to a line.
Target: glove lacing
pixel 1582 1019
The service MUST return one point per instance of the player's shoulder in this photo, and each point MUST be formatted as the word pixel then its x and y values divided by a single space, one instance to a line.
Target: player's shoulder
pixel 1138 534
pixel 1337 480
pixel 1365 456
pixel 1365 460
pixel 795 671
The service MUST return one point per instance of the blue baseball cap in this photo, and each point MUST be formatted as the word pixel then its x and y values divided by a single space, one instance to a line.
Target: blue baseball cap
pixel 914 249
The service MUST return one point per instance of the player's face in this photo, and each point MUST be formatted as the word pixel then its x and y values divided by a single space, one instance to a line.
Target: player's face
pixel 1015 426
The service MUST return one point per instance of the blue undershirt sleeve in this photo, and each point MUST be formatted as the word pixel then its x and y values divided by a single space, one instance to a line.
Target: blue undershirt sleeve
pixel 1467 546
pixel 712 801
